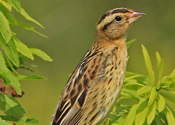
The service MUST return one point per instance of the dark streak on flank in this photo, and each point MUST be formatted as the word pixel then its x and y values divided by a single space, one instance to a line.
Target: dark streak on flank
pixel 82 98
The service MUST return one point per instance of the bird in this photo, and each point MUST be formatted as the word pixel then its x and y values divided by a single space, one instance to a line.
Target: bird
pixel 95 84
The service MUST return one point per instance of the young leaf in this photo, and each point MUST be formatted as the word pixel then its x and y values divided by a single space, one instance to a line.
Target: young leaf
pixel 170 117
pixel 23 49
pixel 129 43
pixel 161 103
pixel 142 112
pixel 151 113
pixel 160 66
pixel 5 28
pixel 152 96
pixel 131 116
pixel 144 90
pixel 41 54
pixel 168 95
pixel 148 65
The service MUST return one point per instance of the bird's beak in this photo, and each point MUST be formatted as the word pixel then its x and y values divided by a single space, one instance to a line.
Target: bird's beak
pixel 134 16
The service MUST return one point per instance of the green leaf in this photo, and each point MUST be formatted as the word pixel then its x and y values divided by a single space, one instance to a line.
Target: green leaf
pixel 6 4
pixel 151 113
pixel 23 49
pixel 129 43
pixel 144 90
pixel 8 15
pixel 15 4
pixel 3 122
pixel 132 93
pixel 8 76
pixel 161 103
pixel 31 121
pixel 168 95
pixel 31 28
pixel 170 117
pixel 10 50
pixel 131 116
pixel 11 107
pixel 160 64
pixel 148 65
pixel 158 121
pixel 5 28
pixel 31 77
pixel 41 54
pixel 26 15
pixel 142 112
pixel 152 96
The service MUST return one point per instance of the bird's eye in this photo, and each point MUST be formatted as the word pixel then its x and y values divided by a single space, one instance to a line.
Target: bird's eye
pixel 118 18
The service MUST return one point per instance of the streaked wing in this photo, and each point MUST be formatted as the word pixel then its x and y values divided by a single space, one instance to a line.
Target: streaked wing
pixel 69 108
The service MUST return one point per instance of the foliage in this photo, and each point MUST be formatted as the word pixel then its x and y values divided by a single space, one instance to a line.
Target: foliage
pixel 13 53
pixel 149 100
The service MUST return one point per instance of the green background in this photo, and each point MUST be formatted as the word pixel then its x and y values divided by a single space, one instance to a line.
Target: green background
pixel 70 26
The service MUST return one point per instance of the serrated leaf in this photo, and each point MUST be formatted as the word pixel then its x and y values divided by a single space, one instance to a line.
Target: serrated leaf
pixel 144 90
pixel 152 96
pixel 41 54
pixel 8 76
pixel 31 77
pixel 5 28
pixel 3 122
pixel 142 112
pixel 161 103
pixel 26 15
pixel 11 107
pixel 131 116
pixel 151 113
pixel 148 65
pixel 129 43
pixel 10 50
pixel 160 66
pixel 23 49
pixel 170 117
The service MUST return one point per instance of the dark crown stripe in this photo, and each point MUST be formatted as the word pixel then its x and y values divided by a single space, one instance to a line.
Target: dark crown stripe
pixel 121 10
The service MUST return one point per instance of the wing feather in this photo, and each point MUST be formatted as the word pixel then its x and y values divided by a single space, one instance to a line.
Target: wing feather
pixel 69 108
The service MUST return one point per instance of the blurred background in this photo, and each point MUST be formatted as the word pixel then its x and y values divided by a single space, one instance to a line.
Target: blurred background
pixel 70 26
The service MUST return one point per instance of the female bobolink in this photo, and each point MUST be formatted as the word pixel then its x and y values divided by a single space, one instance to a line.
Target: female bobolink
pixel 95 85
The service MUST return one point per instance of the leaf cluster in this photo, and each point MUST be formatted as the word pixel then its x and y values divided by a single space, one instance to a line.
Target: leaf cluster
pixel 146 100
pixel 13 53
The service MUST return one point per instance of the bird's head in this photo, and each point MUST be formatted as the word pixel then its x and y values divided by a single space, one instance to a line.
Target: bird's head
pixel 114 23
